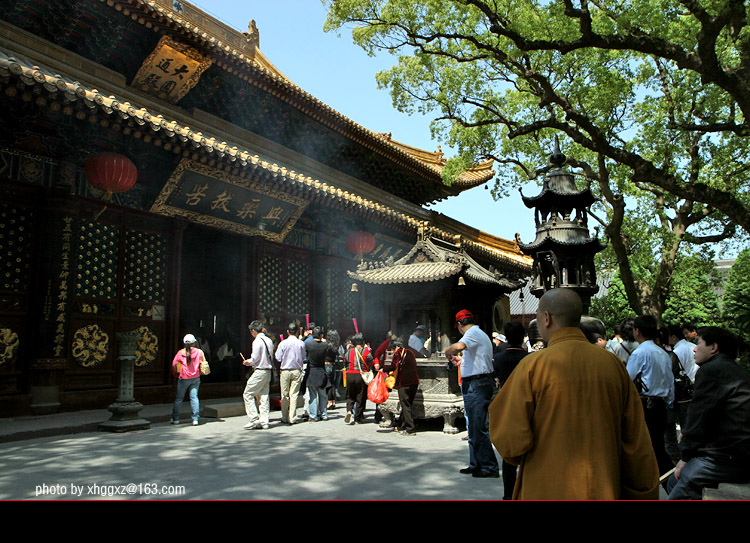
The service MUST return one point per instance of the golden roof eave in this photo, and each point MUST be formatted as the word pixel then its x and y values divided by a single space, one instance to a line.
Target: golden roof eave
pixel 248 65
pixel 474 176
pixel 232 156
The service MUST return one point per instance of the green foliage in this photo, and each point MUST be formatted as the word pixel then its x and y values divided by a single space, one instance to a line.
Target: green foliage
pixel 736 299
pixel 692 298
pixel 653 86
pixel 649 95
pixel 612 308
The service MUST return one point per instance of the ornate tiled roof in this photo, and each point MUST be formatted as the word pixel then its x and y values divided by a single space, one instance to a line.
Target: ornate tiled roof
pixel 472 177
pixel 565 233
pixel 408 273
pixel 433 259
pixel 556 226
pixel 233 157
pixel 559 185
pixel 554 191
pixel 239 53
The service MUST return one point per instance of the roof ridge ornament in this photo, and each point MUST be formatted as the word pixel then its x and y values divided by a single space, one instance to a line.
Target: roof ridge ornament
pixel 557 158
pixel 252 36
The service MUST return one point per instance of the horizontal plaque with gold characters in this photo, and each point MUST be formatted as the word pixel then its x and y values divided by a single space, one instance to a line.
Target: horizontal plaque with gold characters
pixel 171 70
pixel 207 196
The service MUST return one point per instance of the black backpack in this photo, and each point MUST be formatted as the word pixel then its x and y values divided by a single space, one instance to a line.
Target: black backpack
pixel 683 388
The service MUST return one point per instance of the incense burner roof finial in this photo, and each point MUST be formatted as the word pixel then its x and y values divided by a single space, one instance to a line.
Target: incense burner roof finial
pixel 557 158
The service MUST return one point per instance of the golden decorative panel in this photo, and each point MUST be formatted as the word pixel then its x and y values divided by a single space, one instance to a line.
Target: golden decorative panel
pixel 171 70
pixel 147 348
pixel 15 247
pixel 90 346
pixel 213 198
pixel 297 287
pixel 269 285
pixel 9 343
pixel 333 296
pixel 96 270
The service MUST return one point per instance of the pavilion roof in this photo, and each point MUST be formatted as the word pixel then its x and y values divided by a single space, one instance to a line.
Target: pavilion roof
pixel 434 259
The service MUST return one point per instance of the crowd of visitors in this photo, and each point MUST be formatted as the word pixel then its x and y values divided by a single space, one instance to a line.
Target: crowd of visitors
pixel 713 412
pixel 573 415
pixel 315 365
pixel 587 418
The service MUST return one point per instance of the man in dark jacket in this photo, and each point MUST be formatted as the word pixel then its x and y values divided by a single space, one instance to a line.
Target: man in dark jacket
pixel 404 364
pixel 505 362
pixel 715 442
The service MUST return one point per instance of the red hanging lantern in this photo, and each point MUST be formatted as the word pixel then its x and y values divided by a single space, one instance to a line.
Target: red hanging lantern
pixel 111 173
pixel 360 243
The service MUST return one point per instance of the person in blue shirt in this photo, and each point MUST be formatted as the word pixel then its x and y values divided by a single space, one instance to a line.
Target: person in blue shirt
pixel 418 339
pixel 477 387
pixel 651 369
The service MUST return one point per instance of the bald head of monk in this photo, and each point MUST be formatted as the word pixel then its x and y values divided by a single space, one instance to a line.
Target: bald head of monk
pixel 558 308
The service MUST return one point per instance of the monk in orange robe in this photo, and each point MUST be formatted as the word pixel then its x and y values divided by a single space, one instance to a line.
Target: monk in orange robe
pixel 570 417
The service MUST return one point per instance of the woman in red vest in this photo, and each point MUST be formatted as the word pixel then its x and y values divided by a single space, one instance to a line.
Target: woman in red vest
pixel 358 359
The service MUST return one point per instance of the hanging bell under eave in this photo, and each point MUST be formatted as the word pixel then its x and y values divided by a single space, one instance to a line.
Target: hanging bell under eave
pixel 461 281
pixel 354 287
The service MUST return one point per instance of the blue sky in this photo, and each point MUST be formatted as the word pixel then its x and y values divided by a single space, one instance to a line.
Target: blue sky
pixel 338 73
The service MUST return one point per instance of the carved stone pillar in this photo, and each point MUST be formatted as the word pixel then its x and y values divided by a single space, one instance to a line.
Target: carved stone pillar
pixel 125 411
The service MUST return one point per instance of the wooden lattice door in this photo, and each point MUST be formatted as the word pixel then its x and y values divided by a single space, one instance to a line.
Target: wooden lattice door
pixel 119 283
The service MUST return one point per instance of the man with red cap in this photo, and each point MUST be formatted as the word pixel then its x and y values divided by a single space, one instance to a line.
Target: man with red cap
pixel 477 387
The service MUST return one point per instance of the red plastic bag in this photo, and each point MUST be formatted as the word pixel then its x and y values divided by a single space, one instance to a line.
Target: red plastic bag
pixel 377 392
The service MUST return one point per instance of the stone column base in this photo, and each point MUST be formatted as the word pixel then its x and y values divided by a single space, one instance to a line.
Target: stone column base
pixel 125 418
pixel 45 400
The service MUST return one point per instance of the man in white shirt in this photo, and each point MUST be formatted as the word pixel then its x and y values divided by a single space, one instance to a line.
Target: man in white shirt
pixel 616 338
pixel 477 387
pixel 683 369
pixel 690 332
pixel 684 351
pixel 259 382
pixel 417 340
pixel 291 355
pixel 628 343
